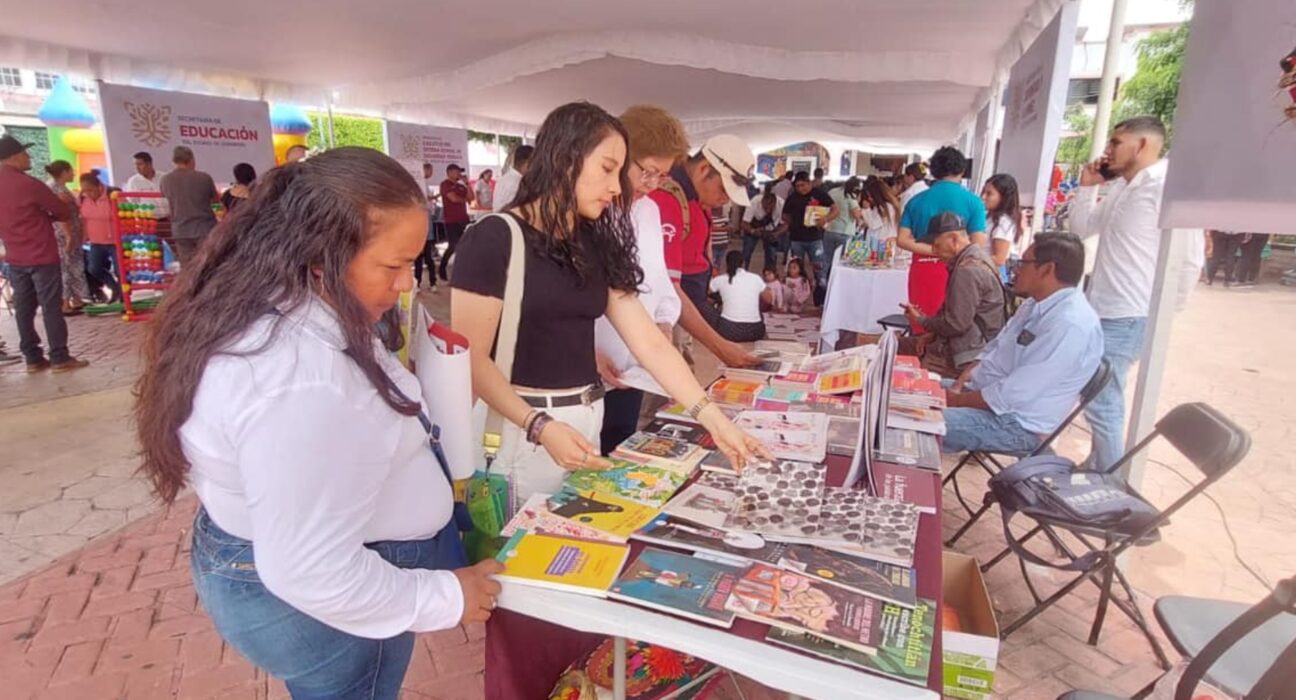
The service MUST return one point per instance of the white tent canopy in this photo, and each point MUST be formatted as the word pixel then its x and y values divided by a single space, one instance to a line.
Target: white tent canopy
pixel 877 74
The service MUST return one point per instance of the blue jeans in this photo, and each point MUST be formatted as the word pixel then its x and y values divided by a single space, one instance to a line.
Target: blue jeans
pixel 1122 347
pixel 811 253
pixel 975 429
pixel 831 242
pixel 314 660
pixel 749 246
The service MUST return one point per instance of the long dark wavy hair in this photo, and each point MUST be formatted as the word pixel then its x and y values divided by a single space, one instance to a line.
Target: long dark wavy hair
pixel 882 199
pixel 546 197
pixel 1009 203
pixel 291 241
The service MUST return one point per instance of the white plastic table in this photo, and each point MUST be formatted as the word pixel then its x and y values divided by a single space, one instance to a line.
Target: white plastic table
pixel 858 297
pixel 796 674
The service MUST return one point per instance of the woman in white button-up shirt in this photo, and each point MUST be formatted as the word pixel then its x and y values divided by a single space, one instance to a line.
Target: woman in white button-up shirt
pixel 326 535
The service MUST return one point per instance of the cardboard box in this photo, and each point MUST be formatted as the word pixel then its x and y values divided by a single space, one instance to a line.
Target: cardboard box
pixel 969 655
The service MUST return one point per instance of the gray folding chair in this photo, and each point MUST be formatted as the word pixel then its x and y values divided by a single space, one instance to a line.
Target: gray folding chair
pixel 1246 652
pixel 1207 438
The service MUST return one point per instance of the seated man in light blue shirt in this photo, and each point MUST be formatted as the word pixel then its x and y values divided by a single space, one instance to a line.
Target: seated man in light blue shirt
pixel 1029 377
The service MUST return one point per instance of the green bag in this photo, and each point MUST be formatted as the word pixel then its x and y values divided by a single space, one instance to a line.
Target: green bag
pixel 490 497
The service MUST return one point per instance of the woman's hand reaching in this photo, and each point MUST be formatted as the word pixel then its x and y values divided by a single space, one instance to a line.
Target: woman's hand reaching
pixel 569 449
pixel 732 441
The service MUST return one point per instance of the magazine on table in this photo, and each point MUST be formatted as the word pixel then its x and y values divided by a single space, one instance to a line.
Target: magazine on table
pixel 896 584
pixel 702 504
pixel 854 523
pixel 680 584
pixel 660 450
pixel 843 436
pixel 917 487
pixel 617 517
pixel 691 433
pixel 796 380
pixel 778 499
pixel 534 517
pixel 643 483
pixel 796 436
pixel 903 652
pixel 909 447
pixel 760 372
pixel 923 420
pixel 669 530
pixel 794 601
pixel 573 566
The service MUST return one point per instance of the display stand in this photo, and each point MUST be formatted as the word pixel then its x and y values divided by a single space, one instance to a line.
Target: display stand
pixel 140 263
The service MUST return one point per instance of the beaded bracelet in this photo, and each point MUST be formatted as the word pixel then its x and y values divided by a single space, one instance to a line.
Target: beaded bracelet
pixel 537 427
pixel 530 417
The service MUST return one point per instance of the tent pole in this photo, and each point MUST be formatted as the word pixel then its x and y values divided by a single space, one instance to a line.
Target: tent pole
pixel 1107 87
pixel 332 138
pixel 985 168
pixel 1156 343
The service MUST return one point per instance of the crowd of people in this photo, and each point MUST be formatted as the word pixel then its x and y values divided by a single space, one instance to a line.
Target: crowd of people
pixel 270 387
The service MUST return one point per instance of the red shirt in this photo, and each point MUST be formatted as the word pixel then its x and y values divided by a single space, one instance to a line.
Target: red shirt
pixel 28 209
pixel 454 212
pixel 684 256
pixel 96 217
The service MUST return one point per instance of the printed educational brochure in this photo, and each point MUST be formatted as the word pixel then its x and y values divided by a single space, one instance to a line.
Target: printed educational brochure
pixel 614 516
pixel 903 652
pixel 680 584
pixel 794 601
pixel 534 517
pixel 575 566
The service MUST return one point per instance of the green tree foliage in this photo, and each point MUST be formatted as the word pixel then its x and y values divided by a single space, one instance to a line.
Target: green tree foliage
pixel 347 131
pixel 1073 151
pixel 39 151
pixel 1154 88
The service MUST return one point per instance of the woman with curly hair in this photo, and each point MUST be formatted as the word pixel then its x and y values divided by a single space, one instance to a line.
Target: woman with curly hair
pixel 325 537
pixel 573 208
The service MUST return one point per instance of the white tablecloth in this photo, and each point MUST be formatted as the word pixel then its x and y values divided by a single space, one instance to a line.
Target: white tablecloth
pixel 805 676
pixel 857 298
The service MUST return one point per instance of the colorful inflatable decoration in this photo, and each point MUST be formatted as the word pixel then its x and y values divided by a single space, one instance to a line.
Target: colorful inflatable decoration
pixel 71 129
pixel 290 126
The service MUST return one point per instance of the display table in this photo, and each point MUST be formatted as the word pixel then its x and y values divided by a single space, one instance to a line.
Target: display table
pixel 858 297
pixel 535 633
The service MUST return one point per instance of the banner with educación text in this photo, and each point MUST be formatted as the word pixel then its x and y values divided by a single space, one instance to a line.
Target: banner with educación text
pixel 1233 157
pixel 1035 100
pixel 222 132
pixel 415 144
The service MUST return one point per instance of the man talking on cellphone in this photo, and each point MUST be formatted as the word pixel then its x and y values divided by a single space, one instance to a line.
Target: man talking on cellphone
pixel 1127 223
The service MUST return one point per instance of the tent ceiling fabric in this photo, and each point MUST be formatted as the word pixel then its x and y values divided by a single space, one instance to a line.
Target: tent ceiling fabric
pixel 853 70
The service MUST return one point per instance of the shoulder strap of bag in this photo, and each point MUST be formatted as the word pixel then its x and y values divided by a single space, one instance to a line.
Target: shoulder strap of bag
pixel 673 189
pixel 506 341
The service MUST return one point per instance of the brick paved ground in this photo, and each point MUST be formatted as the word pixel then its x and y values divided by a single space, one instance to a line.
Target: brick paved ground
pixel 118 618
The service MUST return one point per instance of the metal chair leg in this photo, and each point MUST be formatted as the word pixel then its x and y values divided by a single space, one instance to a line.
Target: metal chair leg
pixel 950 476
pixel 1035 611
pixel 1103 598
pixel 1007 550
pixel 968 525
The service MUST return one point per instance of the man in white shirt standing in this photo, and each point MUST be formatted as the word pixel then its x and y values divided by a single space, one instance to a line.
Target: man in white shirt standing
pixel 147 179
pixel 507 186
pixel 1127 221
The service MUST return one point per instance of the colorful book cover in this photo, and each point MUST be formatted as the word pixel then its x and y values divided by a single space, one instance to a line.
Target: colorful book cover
pixel 896 584
pixel 795 601
pixel 652 673
pixel 614 516
pixel 643 446
pixel 773 393
pixel 844 382
pixel 794 445
pixel 796 380
pixel 534 517
pixel 778 499
pixel 919 392
pixel 782 421
pixel 576 566
pixel 673 531
pixel 734 392
pixel 642 483
pixel 680 584
pixel 843 406
pixel 702 504
pixel 904 651
pixel 688 432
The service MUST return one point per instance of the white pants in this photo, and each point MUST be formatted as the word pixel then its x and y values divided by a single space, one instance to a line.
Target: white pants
pixel 528 467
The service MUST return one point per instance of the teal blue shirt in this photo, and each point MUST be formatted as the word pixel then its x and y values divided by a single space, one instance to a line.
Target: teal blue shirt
pixel 941 197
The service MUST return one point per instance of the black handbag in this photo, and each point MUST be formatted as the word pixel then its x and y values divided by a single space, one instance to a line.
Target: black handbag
pixel 1049 488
